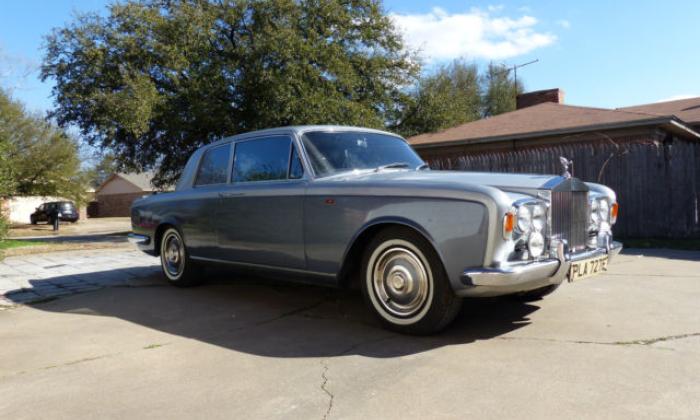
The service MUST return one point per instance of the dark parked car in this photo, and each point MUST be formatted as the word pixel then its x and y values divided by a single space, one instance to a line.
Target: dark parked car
pixel 343 205
pixel 66 212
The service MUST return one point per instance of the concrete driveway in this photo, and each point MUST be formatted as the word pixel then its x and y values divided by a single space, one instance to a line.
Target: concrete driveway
pixel 622 345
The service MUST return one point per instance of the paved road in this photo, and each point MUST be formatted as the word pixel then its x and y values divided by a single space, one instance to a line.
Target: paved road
pixel 626 344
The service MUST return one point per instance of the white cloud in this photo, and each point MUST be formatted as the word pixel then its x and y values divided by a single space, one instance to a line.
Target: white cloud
pixel 476 34
pixel 564 23
pixel 678 97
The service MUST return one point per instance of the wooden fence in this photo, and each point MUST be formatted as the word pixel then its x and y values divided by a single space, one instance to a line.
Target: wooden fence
pixel 657 181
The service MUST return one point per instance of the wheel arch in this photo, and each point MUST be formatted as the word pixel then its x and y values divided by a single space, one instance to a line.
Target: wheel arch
pixel 349 271
pixel 160 230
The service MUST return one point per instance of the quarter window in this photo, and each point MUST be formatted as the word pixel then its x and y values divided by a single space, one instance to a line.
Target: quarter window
pixel 296 171
pixel 214 166
pixel 262 159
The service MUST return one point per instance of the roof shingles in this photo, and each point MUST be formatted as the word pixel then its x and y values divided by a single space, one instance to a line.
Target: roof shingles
pixel 552 118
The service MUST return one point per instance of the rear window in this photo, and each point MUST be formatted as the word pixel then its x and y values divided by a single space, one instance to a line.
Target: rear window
pixel 67 206
pixel 213 168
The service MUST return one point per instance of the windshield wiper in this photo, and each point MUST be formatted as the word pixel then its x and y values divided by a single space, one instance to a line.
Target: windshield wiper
pixel 422 167
pixel 392 165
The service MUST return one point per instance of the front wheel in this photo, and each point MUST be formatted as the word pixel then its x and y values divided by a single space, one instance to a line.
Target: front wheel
pixel 175 262
pixel 405 285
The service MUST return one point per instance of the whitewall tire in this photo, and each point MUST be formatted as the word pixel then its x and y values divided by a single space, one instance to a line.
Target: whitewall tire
pixel 175 262
pixel 404 283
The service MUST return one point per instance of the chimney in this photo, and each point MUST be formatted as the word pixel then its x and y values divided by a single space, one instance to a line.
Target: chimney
pixel 537 97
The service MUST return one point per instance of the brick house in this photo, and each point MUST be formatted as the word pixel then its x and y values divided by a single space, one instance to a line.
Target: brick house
pixel 649 154
pixel 115 195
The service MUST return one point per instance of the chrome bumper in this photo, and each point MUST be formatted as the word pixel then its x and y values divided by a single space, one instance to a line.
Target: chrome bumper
pixel 136 239
pixel 528 276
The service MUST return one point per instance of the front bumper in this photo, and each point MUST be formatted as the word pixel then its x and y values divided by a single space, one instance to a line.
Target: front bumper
pixel 527 276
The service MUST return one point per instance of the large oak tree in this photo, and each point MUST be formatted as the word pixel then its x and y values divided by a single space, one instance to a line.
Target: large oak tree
pixel 155 79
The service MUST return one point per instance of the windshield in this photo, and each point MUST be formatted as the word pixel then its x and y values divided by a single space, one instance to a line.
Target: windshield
pixel 332 153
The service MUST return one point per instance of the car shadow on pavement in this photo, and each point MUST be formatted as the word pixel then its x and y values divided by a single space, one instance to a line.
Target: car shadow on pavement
pixel 271 318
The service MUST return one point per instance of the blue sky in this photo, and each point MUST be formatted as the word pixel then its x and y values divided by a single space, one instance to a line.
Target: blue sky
pixel 602 53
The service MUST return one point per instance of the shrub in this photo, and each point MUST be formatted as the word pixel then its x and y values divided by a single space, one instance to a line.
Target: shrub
pixel 3 227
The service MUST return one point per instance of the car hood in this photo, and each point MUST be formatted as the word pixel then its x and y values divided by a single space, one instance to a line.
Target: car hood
pixel 526 183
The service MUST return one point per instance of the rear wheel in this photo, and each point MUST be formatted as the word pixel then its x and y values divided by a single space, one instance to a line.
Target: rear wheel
pixel 405 285
pixel 175 262
pixel 32 220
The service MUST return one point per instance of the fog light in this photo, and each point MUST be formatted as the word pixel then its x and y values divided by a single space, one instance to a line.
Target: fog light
pixel 535 244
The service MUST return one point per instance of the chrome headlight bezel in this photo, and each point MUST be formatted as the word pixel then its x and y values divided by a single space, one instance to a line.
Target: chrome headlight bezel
pixel 604 210
pixel 531 227
pixel 523 217
pixel 531 215
pixel 600 209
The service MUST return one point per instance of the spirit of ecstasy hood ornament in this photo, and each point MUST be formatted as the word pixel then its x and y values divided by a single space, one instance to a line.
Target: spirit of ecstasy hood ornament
pixel 565 164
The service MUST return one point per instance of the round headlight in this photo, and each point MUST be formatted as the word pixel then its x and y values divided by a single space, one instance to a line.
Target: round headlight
pixel 538 217
pixel 604 210
pixel 535 244
pixel 524 219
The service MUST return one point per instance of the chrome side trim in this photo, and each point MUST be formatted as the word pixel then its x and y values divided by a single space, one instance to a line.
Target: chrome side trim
pixel 136 239
pixel 263 266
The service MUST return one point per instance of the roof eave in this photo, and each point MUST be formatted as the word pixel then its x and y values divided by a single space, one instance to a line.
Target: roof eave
pixel 559 132
pixel 682 128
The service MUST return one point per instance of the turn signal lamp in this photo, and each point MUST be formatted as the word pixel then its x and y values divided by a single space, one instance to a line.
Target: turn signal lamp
pixel 508 225
pixel 613 212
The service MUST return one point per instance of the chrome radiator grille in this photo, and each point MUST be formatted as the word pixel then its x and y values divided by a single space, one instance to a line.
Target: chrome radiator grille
pixel 569 212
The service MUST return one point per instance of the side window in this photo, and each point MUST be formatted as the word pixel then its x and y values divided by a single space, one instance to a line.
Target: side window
pixel 263 159
pixel 214 166
pixel 296 170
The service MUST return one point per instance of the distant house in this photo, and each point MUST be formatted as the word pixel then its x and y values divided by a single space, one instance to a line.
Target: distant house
pixel 115 195
pixel 650 154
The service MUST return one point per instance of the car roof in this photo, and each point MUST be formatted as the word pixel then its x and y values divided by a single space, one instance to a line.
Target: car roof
pixel 301 129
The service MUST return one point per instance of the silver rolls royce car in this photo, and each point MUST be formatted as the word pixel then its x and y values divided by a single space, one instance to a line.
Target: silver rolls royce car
pixel 344 206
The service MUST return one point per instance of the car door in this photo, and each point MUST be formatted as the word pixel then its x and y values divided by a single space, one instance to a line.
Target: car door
pixel 261 213
pixel 40 214
pixel 197 207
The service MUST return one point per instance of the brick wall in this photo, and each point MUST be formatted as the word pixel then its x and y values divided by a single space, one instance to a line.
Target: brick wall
pixel 116 205
pixel 525 100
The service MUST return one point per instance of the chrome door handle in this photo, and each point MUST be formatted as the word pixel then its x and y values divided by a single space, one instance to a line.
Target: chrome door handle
pixel 230 194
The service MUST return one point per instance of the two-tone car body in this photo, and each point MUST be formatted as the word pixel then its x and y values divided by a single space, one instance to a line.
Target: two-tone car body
pixel 343 205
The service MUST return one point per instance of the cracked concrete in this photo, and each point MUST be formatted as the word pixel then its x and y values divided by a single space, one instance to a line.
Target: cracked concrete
pixel 639 342
pixel 324 388
pixel 622 345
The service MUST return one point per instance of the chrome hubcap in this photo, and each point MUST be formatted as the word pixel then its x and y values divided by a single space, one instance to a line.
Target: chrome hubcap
pixel 172 255
pixel 400 281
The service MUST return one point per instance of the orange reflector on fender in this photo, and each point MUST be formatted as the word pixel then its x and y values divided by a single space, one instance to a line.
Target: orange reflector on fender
pixel 613 212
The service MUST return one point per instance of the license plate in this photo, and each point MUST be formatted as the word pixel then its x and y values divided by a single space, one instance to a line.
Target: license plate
pixel 587 268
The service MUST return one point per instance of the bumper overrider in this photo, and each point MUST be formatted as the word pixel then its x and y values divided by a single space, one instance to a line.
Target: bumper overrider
pixel 522 277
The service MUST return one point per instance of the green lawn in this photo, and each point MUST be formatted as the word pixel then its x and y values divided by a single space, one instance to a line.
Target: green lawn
pixel 16 243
